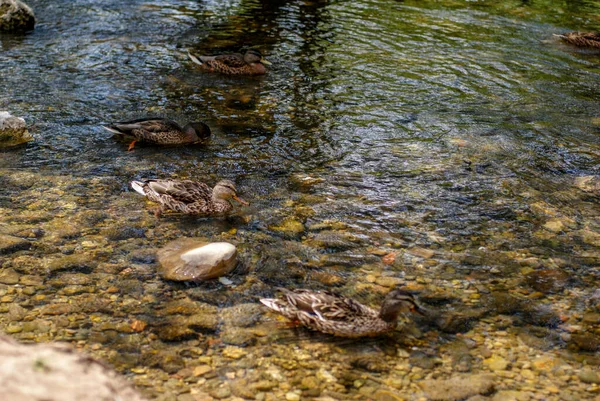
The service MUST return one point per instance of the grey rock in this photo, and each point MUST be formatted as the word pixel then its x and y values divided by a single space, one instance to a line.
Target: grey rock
pixel 57 372
pixel 187 259
pixel 13 130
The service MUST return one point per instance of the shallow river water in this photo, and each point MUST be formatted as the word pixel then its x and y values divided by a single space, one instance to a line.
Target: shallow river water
pixel 446 146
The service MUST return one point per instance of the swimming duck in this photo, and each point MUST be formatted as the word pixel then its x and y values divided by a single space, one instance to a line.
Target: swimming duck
pixel 333 314
pixel 189 197
pixel 582 39
pixel 159 131
pixel 251 63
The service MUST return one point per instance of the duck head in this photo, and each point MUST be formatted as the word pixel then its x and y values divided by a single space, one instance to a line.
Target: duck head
pixel 225 190
pixel 399 301
pixel 254 56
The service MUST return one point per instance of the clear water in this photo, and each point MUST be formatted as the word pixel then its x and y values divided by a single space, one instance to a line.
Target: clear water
pixel 458 127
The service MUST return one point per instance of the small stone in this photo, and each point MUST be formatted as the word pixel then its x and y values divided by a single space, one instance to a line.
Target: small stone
pixel 234 352
pixel 201 370
pixel 421 252
pixel 291 396
pixel 528 374
pixel 457 388
pixel 9 276
pixel 554 225
pixel 385 395
pixel 289 227
pixel 10 244
pixel 187 259
pixel 588 375
pixel 547 281
pixel 15 16
pixel 496 363
pixel 586 342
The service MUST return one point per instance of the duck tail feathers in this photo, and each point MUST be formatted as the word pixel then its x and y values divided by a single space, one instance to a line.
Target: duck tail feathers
pixel 113 129
pixel 138 186
pixel 559 35
pixel 195 59
pixel 272 303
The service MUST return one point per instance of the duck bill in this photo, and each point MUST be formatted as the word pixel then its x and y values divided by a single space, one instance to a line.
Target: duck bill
pixel 265 62
pixel 243 202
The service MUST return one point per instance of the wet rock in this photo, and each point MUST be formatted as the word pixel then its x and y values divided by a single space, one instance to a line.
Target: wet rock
pixel 421 252
pixel 15 16
pixel 333 240
pixel 242 315
pixel 588 183
pixel 424 361
pixel 9 276
pixel 458 321
pixel 547 281
pixel 169 361
pixel 458 388
pixel 187 259
pixel 237 336
pixel 80 261
pixel 10 244
pixel 386 395
pixel 289 228
pixel 56 372
pixel 145 256
pixel 496 362
pixel 586 342
pixel 121 233
pixel 588 375
pixel 511 395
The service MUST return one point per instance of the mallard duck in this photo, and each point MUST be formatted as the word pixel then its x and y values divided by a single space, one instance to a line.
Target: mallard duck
pixel 251 63
pixel 582 39
pixel 159 131
pixel 189 197
pixel 333 314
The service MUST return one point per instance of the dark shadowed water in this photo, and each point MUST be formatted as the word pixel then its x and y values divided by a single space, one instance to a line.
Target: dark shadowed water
pixel 462 137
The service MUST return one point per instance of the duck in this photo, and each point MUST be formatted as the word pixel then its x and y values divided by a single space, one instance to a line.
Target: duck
pixel 159 131
pixel 251 63
pixel 581 39
pixel 188 196
pixel 340 316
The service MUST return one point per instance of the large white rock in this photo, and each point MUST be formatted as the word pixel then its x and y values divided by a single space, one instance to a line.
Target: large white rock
pixel 13 130
pixel 187 259
pixel 57 372
pixel 16 16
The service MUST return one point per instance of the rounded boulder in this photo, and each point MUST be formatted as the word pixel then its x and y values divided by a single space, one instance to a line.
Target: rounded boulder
pixel 187 259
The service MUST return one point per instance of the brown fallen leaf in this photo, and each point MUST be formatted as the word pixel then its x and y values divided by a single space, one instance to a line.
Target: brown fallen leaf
pixel 389 258
pixel 138 325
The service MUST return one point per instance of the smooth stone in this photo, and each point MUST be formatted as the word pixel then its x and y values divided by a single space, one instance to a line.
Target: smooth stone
pixel 458 387
pixel 187 259
pixel 10 244
pixel 13 130
pixel 547 281
pixel 588 375
pixel 496 363
pixel 586 342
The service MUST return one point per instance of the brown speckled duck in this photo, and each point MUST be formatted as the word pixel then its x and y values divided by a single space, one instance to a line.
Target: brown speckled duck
pixel 333 314
pixel 189 197
pixel 582 39
pixel 251 63
pixel 159 131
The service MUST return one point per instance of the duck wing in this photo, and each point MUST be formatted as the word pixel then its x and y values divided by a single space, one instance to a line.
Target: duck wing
pixel 327 305
pixel 231 60
pixel 186 191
